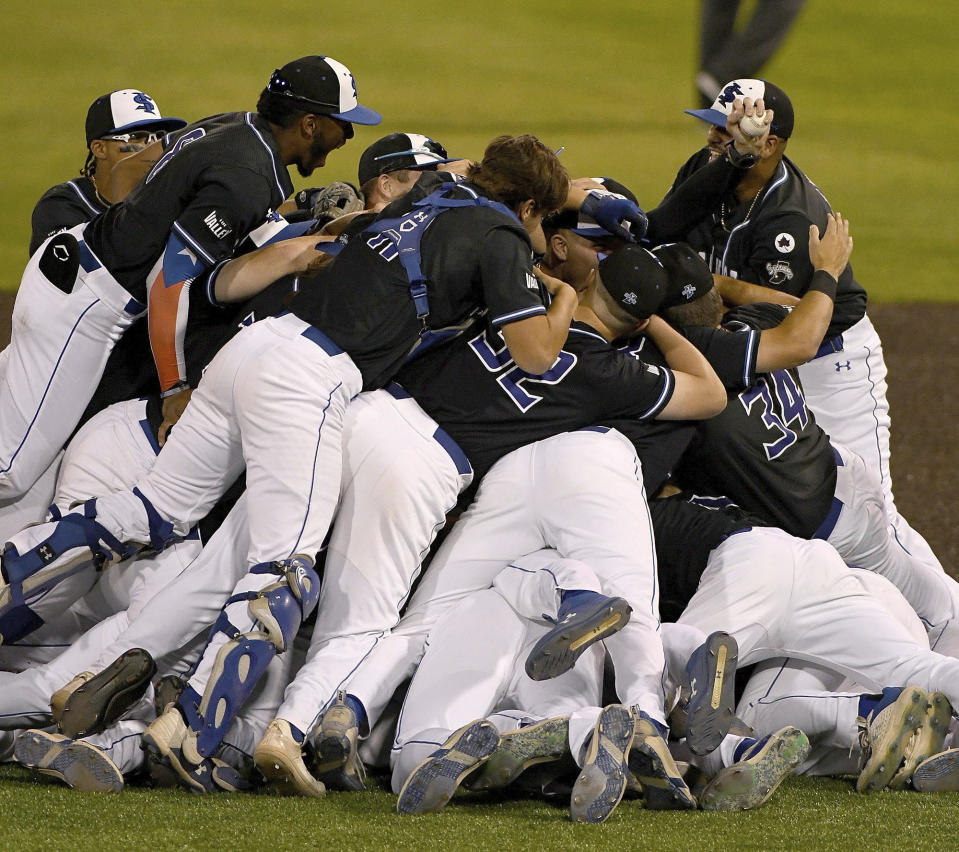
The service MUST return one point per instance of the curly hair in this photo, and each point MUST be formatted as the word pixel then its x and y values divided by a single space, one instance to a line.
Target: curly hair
pixel 517 168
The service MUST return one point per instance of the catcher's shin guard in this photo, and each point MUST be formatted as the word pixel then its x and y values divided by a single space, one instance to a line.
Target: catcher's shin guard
pixel 44 556
pixel 277 610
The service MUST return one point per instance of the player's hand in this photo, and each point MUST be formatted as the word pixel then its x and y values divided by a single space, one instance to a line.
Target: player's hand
pixel 172 407
pixel 831 251
pixel 553 285
pixel 618 215
pixel 741 108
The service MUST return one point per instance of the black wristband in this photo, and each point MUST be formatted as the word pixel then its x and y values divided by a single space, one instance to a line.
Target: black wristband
pixel 823 282
pixel 739 160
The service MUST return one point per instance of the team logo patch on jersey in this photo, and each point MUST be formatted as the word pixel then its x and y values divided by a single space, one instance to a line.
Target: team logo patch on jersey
pixel 779 272
pixel 785 243
pixel 220 228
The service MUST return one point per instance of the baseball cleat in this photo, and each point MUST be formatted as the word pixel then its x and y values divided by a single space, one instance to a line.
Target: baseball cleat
pixel 932 735
pixel 650 761
pixel 78 764
pixel 59 698
pixel 166 691
pixel 602 781
pixel 711 675
pixel 886 736
pixel 752 780
pixel 96 704
pixel 279 757
pixel 557 652
pixel 543 742
pixel 163 740
pixel 939 773
pixel 432 784
pixel 337 762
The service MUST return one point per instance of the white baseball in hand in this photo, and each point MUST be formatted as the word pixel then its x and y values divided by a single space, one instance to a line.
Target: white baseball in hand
pixel 753 125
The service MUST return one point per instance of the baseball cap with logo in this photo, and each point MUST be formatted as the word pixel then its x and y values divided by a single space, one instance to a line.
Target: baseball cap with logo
pixel 635 279
pixel 687 274
pixel 126 110
pixel 773 97
pixel 322 86
pixel 400 151
pixel 586 226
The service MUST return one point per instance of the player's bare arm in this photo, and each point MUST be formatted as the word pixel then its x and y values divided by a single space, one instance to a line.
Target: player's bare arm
pixel 797 338
pixel 534 343
pixel 736 292
pixel 245 276
pixel 131 170
pixel 699 393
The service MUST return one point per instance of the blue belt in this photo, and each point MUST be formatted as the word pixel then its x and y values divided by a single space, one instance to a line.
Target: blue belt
pixel 829 524
pixel 314 335
pixel 441 436
pixel 834 344
pixel 89 263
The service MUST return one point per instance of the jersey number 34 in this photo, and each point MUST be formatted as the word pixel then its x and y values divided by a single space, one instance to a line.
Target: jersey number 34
pixel 782 406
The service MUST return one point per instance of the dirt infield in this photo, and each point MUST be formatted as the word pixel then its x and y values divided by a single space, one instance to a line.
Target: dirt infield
pixel 918 341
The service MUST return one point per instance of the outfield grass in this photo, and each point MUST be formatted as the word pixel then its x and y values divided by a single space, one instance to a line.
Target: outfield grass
pixel 805 813
pixel 871 82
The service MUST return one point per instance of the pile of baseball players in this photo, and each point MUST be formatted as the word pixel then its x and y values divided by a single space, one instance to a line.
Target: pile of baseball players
pixel 469 472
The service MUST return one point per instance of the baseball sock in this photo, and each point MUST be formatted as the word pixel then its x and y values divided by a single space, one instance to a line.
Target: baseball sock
pixel 871 705
pixel 354 703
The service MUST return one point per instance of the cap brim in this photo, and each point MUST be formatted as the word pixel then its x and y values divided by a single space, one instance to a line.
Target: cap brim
pixel 359 115
pixel 713 116
pixel 592 233
pixel 159 123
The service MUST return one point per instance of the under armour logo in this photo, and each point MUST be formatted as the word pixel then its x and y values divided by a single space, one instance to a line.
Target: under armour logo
pixel 46 553
pixel 729 94
pixel 144 102
pixel 630 298
pixel 840 366
pixel 201 769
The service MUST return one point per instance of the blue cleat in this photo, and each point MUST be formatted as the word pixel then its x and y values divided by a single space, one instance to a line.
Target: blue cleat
pixel 711 687
pixel 602 781
pixel 584 618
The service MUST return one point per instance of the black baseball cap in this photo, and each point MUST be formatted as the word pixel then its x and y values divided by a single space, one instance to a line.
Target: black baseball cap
pixel 400 151
pixel 688 276
pixel 124 111
pixel 586 226
pixel 322 86
pixel 773 97
pixel 635 279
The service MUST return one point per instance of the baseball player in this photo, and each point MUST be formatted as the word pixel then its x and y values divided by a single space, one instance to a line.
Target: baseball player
pixel 84 287
pixel 766 452
pixel 757 233
pixel 297 383
pixel 709 557
pixel 117 125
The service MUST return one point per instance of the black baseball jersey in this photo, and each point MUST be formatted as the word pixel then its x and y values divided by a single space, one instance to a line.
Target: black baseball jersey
pixel 771 247
pixel 491 407
pixel 764 451
pixel 477 260
pixel 686 535
pixel 216 181
pixel 63 206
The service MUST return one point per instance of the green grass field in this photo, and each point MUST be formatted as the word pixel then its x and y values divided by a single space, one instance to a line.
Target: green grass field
pixel 816 814
pixel 871 83
pixel 607 81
